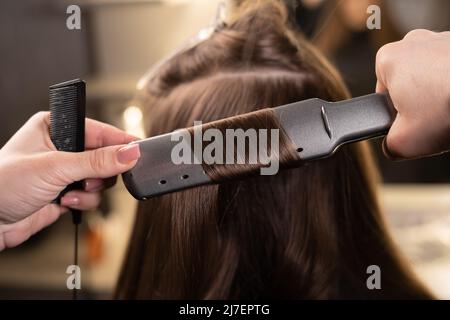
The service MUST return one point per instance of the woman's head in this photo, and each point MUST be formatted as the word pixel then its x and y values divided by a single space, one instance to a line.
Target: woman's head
pixel 308 232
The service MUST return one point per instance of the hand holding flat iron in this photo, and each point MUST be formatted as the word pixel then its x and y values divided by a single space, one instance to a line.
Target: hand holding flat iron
pixel 416 72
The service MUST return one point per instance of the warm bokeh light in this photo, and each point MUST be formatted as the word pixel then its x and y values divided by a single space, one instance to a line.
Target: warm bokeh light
pixel 133 121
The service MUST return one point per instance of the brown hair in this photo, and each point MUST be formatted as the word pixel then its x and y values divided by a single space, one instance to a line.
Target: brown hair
pixel 242 167
pixel 309 232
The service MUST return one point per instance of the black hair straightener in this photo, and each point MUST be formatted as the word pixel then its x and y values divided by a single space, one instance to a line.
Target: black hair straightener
pixel 316 127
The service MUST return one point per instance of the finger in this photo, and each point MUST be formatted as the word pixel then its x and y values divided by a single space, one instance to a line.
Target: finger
pixel 99 134
pixel 380 87
pixel 385 63
pixel 418 34
pixel 92 185
pixel 17 233
pixel 81 200
pixel 399 144
pixel 394 139
pixel 99 163
pixel 387 153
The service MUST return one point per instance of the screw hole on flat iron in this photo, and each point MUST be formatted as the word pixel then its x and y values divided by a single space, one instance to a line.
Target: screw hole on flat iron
pixel 299 149
pixel 184 176
pixel 162 181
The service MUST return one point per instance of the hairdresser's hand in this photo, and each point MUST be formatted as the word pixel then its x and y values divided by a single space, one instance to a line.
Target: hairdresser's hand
pixel 416 72
pixel 33 173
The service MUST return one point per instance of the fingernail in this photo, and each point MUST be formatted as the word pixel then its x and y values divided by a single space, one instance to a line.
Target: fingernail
pixel 133 138
pixel 93 185
pixel 69 200
pixel 128 153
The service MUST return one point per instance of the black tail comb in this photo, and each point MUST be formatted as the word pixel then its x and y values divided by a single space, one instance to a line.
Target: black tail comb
pixel 67 118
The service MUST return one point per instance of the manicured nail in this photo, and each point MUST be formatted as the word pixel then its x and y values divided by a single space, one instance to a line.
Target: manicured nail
pixel 133 138
pixel 70 200
pixel 128 153
pixel 93 185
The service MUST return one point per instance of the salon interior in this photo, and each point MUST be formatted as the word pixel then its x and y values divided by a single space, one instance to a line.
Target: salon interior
pixel 119 41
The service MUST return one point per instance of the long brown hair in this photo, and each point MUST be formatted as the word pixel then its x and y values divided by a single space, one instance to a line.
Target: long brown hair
pixel 309 232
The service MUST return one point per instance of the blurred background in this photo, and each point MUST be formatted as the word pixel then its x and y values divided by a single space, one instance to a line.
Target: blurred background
pixel 118 42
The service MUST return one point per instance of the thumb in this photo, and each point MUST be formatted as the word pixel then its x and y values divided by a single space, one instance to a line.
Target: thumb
pixel 98 163
pixel 403 140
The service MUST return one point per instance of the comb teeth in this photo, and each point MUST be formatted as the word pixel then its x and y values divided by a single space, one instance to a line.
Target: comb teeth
pixel 67 112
